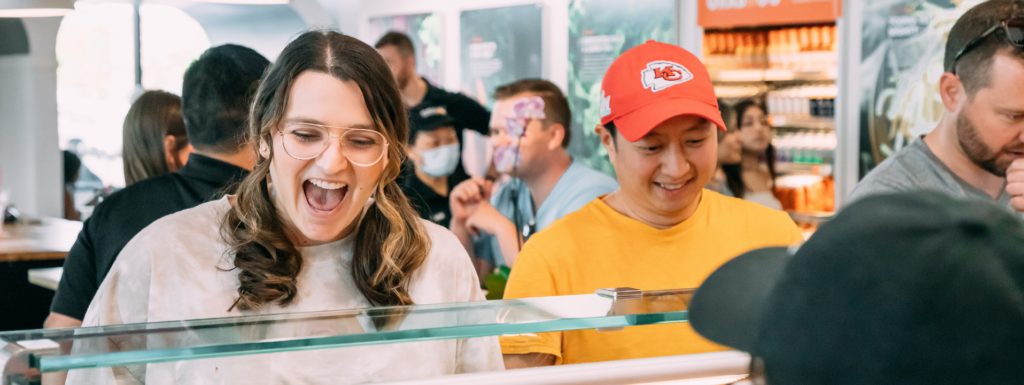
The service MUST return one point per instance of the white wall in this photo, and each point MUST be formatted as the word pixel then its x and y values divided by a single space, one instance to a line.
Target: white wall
pixel 555 37
pixel 30 158
pixel 264 28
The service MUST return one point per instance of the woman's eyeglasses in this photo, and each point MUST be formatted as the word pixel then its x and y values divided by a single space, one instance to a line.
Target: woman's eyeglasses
pixel 307 141
pixel 1013 28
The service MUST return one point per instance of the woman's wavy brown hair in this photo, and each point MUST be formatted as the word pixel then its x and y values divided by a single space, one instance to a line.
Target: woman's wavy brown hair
pixel 390 241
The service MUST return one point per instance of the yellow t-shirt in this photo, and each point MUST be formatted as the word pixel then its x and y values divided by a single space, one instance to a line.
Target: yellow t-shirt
pixel 596 248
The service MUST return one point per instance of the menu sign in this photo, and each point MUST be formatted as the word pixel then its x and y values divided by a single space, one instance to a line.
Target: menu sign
pixel 599 31
pixel 499 46
pixel 741 13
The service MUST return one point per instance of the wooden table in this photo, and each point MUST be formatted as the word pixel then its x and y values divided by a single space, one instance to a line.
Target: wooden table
pixel 48 239
pixel 24 247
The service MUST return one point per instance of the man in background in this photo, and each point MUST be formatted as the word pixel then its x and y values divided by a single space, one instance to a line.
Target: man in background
pixel 981 133
pixel 216 93
pixel 400 54
pixel 549 184
pixel 418 93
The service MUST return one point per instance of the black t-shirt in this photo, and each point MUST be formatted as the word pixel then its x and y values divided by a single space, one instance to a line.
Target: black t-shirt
pixel 124 214
pixel 427 202
pixel 467 112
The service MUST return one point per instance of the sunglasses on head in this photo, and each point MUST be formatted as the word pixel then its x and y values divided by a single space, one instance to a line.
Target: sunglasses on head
pixel 1013 28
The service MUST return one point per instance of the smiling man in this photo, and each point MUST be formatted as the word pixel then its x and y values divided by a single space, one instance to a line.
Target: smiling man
pixel 969 152
pixel 660 230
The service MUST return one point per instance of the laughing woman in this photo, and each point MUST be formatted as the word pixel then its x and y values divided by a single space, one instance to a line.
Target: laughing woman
pixel 320 224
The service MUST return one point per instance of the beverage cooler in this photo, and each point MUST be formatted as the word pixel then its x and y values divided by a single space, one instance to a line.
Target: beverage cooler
pixel 31 354
pixel 845 83
pixel 784 55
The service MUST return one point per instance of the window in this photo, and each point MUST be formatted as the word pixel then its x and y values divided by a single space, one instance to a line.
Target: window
pixel 96 77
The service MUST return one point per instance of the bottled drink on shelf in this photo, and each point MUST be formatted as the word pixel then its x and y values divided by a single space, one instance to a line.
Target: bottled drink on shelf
pixel 799 49
pixel 805 146
pixel 803 102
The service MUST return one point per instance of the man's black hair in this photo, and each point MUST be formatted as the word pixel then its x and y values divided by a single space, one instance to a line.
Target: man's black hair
pixel 975 66
pixel 216 93
pixel 613 131
pixel 398 40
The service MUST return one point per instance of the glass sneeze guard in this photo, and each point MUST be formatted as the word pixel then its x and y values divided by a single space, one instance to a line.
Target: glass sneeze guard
pixel 117 345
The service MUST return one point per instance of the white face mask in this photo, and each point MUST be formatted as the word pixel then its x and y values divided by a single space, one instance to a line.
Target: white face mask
pixel 441 161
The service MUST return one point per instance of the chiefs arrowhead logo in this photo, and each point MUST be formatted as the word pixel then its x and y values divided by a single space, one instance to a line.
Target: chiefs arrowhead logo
pixel 660 75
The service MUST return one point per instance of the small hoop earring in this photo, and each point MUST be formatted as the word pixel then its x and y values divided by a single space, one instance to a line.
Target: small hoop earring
pixel 263 149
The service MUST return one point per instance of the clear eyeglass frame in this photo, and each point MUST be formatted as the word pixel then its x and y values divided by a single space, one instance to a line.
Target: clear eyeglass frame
pixel 326 143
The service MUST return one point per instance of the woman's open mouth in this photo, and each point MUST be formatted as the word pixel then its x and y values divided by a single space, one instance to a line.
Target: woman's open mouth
pixel 324 196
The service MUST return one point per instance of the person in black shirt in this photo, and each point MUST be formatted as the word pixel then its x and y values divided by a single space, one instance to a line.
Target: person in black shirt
pixel 434 153
pixel 216 95
pixel 399 53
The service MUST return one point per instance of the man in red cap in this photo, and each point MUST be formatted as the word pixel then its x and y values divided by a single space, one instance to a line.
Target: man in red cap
pixel 660 230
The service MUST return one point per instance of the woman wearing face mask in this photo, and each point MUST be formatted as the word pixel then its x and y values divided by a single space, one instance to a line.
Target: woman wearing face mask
pixel 730 152
pixel 434 152
pixel 319 224
pixel 753 179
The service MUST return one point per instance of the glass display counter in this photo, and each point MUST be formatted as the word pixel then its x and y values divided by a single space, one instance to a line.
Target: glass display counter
pixel 33 352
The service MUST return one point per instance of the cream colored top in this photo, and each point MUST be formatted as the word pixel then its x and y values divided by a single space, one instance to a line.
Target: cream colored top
pixel 179 268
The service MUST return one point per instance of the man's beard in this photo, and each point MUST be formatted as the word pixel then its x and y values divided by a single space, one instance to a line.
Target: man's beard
pixel 979 153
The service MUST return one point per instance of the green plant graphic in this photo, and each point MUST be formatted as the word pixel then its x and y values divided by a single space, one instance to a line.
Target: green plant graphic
pixel 599 31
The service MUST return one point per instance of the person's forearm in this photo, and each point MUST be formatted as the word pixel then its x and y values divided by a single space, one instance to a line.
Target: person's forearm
pixel 530 360
pixel 483 269
pixel 508 242
pixel 60 321
pixel 458 227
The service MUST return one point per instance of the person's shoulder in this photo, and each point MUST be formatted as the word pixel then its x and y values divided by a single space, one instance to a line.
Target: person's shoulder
pixel 572 224
pixel 137 194
pixel 904 166
pixel 186 237
pixel 443 242
pixel 445 249
pixel 902 171
pixel 189 224
pixel 740 209
pixel 588 177
pixel 459 99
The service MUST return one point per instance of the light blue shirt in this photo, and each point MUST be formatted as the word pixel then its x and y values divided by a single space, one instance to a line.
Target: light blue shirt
pixel 578 186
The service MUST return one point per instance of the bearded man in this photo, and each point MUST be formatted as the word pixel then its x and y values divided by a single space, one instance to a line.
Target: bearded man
pixel 980 136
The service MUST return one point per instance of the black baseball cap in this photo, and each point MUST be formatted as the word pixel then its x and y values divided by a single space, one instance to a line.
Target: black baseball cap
pixel 428 118
pixel 912 288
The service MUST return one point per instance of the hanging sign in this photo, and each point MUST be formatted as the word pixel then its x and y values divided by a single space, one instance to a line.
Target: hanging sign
pixel 745 13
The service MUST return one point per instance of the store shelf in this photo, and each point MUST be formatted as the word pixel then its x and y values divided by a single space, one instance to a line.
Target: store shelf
pixel 749 76
pixel 811 217
pixel 805 122
pixel 790 168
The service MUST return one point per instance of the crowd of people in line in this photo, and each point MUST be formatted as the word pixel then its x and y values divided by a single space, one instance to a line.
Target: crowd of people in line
pixel 332 179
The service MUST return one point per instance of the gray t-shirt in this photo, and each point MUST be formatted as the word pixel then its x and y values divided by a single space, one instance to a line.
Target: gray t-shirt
pixel 916 167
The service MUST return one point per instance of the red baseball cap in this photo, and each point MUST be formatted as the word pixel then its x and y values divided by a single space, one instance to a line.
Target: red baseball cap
pixel 653 82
